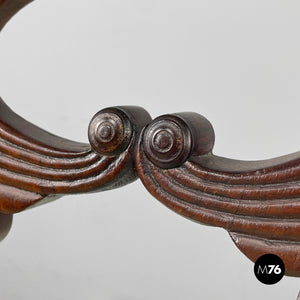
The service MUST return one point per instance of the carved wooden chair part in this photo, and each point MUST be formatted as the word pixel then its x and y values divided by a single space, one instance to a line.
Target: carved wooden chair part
pixel 257 202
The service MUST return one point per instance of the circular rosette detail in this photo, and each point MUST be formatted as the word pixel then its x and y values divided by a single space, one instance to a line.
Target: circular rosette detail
pixel 168 141
pixel 110 131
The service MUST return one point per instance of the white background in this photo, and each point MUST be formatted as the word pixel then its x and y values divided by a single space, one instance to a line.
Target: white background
pixel 235 62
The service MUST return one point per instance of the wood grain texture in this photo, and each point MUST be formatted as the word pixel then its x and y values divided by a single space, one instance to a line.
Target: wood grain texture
pixel 36 165
pixel 258 203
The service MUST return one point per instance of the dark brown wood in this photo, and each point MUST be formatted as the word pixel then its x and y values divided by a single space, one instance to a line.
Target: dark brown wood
pixel 36 165
pixel 258 203
pixel 5 224
pixel 171 139
pixel 8 8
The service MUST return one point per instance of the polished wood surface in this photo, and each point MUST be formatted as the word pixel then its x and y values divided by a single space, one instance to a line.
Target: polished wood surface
pixel 36 165
pixel 258 203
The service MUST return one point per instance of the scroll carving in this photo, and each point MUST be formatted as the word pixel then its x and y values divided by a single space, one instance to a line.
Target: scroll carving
pixel 36 165
pixel 258 203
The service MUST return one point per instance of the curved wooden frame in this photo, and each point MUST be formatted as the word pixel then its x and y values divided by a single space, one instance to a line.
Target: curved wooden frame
pixel 258 203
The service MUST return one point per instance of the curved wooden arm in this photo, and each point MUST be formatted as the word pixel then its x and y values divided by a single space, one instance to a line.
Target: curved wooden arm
pixel 257 202
pixel 36 165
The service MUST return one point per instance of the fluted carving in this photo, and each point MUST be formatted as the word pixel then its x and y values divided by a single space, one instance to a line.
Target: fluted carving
pixel 258 203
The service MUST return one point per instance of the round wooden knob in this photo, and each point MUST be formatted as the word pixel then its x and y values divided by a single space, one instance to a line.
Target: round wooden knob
pixel 110 131
pixel 171 139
